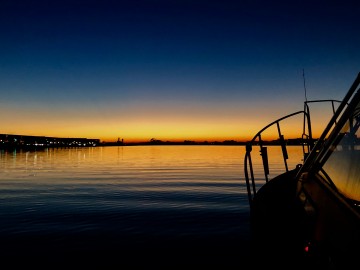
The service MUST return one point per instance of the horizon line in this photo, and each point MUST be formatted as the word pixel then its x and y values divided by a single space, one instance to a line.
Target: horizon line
pixel 147 141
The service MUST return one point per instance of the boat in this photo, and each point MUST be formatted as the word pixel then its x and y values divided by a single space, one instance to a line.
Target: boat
pixel 308 215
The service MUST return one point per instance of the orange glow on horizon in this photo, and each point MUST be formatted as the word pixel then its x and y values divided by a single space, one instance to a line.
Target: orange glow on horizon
pixel 135 132
pixel 205 123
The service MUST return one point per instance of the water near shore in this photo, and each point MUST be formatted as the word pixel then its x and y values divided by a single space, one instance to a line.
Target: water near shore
pixel 126 204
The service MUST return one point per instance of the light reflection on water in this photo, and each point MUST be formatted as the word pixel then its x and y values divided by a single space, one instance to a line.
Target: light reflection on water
pixel 61 182
pixel 151 191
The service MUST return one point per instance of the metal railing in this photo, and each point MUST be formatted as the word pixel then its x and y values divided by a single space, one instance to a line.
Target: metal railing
pixel 307 142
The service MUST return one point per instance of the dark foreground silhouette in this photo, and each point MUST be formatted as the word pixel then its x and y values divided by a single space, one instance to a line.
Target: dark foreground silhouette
pixel 163 243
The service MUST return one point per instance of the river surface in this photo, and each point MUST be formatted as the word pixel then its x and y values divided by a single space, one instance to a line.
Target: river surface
pixel 128 204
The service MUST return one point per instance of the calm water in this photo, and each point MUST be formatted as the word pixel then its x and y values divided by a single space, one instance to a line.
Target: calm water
pixel 132 199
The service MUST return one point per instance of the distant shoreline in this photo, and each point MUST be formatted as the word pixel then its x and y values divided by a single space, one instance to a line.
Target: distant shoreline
pixel 27 142
pixel 297 141
pixel 186 142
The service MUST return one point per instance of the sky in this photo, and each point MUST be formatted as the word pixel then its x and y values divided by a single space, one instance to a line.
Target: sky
pixel 170 69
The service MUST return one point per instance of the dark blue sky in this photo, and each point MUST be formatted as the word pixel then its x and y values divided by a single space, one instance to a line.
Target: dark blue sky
pixel 169 69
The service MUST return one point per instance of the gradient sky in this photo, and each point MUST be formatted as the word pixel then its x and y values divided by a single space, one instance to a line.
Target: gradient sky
pixel 170 70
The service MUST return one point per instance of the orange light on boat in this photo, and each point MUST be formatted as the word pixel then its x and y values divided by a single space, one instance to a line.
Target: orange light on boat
pixel 307 247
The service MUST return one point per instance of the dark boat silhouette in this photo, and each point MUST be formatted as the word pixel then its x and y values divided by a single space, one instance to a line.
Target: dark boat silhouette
pixel 309 216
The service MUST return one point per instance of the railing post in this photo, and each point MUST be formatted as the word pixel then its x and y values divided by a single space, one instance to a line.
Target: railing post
pixel 246 161
pixel 264 156
pixel 263 153
pixel 283 146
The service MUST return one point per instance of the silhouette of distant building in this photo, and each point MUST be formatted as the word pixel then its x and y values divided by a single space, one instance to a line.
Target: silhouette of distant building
pixel 13 141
